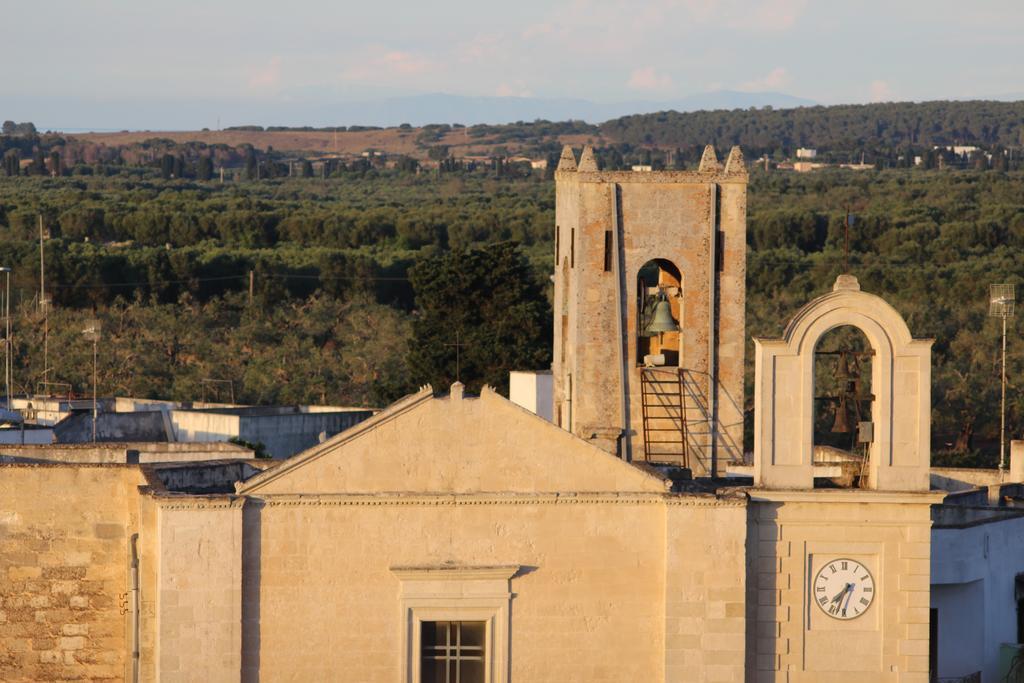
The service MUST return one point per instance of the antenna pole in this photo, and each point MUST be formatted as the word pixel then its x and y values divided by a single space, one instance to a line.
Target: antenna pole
pixel 8 373
pixel 42 303
pixel 94 411
pixel 1002 420
pixel 846 248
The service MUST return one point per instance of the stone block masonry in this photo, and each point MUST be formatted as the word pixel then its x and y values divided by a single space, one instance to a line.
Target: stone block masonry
pixel 63 570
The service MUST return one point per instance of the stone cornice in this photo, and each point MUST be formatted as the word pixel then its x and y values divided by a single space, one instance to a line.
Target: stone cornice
pixel 455 573
pixel 685 177
pixel 845 496
pixel 427 499
pixel 179 501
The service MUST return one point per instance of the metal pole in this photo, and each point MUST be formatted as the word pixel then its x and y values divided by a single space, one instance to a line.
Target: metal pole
pixel 1002 425
pixel 94 389
pixel 42 303
pixel 8 365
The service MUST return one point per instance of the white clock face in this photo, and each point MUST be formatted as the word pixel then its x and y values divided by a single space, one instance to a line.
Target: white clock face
pixel 843 589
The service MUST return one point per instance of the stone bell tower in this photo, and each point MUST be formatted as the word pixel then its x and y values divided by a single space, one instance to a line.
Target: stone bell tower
pixel 838 568
pixel 649 309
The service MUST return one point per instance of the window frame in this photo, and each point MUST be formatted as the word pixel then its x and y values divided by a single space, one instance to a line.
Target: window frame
pixel 456 594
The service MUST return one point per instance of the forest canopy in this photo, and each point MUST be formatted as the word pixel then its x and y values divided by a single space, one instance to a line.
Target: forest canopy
pixel 314 289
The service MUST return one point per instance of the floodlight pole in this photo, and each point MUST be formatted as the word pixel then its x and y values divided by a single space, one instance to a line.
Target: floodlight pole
pixel 1002 419
pixel 1001 303
pixel 8 374
pixel 95 341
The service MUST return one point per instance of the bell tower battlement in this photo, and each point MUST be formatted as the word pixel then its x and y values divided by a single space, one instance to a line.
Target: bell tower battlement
pixel 649 309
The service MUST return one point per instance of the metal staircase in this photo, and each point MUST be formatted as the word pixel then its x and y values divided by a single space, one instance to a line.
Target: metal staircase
pixel 664 416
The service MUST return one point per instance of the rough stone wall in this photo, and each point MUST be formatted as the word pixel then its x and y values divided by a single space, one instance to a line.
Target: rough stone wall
pixel 732 338
pixel 567 208
pixel 670 215
pixel 791 640
pixel 588 602
pixel 64 534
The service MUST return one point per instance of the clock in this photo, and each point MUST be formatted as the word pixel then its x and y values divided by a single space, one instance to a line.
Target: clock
pixel 843 589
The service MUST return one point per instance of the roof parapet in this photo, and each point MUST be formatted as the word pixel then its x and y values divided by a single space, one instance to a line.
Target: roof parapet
pixel 709 161
pixel 734 164
pixel 567 162
pixel 588 164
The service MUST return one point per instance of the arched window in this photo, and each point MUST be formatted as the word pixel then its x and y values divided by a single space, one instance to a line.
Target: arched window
pixel 842 399
pixel 659 314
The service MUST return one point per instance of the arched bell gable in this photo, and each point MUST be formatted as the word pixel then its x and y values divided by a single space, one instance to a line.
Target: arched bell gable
pixel 900 454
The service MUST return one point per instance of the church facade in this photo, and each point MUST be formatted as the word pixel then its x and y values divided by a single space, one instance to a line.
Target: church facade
pixel 463 538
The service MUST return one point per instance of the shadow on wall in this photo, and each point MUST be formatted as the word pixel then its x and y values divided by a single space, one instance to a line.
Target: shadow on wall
pixel 695 393
pixel 763 562
pixel 252 531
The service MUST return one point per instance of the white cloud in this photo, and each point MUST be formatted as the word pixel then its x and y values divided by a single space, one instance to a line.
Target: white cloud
pixel 773 80
pixel 768 15
pixel 388 65
pixel 647 78
pixel 517 89
pixel 880 91
pixel 268 77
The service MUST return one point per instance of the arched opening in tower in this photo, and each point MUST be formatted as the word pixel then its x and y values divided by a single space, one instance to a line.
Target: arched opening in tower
pixel 659 288
pixel 843 427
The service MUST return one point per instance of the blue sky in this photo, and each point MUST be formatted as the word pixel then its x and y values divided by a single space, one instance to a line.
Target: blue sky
pixel 136 62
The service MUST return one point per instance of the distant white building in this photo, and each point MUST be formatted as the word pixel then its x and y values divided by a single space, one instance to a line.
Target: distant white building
pixel 805 153
pixel 960 150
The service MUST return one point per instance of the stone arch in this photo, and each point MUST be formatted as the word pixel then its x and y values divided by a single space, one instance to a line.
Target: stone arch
pixel 662 275
pixel 843 365
pixel 899 455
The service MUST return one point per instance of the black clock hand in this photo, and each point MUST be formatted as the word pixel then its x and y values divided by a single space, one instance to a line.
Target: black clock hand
pixel 849 594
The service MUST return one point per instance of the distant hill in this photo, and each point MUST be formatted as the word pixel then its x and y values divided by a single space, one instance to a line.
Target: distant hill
pixel 842 127
pixel 885 130
pixel 420 110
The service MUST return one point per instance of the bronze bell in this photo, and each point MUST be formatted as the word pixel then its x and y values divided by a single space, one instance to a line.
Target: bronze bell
pixel 842 423
pixel 845 385
pixel 661 320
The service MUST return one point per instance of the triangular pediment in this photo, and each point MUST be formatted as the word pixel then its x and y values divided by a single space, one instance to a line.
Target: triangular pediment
pixel 439 445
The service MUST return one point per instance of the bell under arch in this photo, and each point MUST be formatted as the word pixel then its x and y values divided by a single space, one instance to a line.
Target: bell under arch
pixel 843 402
pixel 898 456
pixel 659 302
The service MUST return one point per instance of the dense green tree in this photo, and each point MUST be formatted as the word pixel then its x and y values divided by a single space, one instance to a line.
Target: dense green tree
pixel 167 166
pixel 252 169
pixel 479 314
pixel 204 168
pixel 12 162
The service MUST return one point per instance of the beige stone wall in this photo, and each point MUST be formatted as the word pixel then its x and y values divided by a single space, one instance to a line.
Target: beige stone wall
pixel 605 593
pixel 705 591
pixel 672 216
pixel 790 535
pixel 64 534
pixel 588 602
pixel 455 445
pixel 199 589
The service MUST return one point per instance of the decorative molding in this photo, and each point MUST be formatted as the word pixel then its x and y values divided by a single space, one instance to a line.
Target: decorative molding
pixel 682 177
pixel 172 501
pixel 392 412
pixel 845 496
pixel 427 499
pixel 455 573
pixel 456 593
